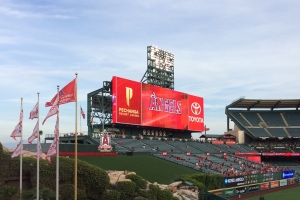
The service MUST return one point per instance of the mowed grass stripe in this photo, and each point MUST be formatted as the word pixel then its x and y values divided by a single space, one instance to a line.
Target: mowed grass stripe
pixel 289 194
pixel 150 168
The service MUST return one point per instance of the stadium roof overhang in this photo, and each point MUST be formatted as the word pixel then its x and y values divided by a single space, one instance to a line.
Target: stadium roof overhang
pixel 249 104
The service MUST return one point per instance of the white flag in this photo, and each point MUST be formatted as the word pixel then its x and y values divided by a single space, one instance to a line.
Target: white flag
pixel 52 150
pixel 17 151
pixel 40 152
pixel 17 132
pixel 35 134
pixel 21 114
pixel 53 110
pixel 35 111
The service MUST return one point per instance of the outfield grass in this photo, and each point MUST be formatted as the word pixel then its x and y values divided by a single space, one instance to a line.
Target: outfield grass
pixel 289 194
pixel 150 168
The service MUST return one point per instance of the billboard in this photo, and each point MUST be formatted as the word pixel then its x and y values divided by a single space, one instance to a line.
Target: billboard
pixel 253 188
pixel 274 184
pixel 283 182
pixel 288 174
pixel 241 190
pixel 148 105
pixel 264 186
pixel 234 181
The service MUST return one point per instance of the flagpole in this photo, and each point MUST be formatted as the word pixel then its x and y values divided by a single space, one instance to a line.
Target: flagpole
pixel 38 154
pixel 75 169
pixel 57 151
pixel 21 152
pixel 80 118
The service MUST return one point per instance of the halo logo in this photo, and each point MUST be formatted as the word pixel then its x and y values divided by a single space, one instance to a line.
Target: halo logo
pixel 196 108
pixel 226 180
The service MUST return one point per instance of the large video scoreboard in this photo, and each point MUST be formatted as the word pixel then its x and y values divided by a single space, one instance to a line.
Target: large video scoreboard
pixel 148 105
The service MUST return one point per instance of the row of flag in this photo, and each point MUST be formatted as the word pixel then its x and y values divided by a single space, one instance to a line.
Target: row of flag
pixel 63 96
pixel 66 95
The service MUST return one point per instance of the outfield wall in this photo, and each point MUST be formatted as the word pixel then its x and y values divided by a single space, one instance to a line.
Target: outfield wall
pixel 229 192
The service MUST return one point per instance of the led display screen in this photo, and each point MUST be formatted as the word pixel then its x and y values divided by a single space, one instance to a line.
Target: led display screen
pixel 148 105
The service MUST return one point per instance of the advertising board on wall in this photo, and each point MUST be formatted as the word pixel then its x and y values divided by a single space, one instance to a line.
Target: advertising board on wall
pixel 234 181
pixel 253 188
pixel 241 190
pixel 274 184
pixel 291 181
pixel 229 193
pixel 148 105
pixel 283 182
pixel 288 174
pixel 264 186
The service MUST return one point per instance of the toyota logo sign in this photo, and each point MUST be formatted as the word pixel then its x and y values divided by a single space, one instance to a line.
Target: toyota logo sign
pixel 196 108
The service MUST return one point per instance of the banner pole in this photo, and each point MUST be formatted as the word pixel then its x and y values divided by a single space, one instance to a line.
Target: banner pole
pixel 57 150
pixel 75 169
pixel 38 154
pixel 21 154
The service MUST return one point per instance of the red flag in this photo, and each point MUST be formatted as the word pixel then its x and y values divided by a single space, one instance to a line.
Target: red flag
pixel 52 150
pixel 35 134
pixel 34 113
pixel 17 151
pixel 53 110
pixel 66 95
pixel 82 113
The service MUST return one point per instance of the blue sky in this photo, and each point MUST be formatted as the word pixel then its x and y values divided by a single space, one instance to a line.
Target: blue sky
pixel 223 50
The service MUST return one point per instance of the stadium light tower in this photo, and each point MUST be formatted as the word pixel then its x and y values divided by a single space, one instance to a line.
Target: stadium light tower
pixel 160 68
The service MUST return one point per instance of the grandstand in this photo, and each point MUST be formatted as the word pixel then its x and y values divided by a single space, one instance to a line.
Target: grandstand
pixel 265 119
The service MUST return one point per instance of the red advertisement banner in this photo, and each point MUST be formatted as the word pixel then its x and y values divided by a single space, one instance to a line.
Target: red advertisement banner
pixel 274 184
pixel 247 153
pixel 291 181
pixel 281 154
pixel 264 186
pixel 217 142
pixel 230 142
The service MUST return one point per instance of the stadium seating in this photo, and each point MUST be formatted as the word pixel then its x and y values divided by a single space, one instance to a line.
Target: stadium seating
pixel 277 132
pixel 294 132
pixel 272 118
pixel 259 132
pixel 159 145
pixel 292 118
pixel 251 117
pixel 185 147
pixel 204 147
pixel 239 118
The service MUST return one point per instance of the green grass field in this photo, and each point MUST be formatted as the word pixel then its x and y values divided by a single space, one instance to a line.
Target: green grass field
pixel 150 168
pixel 289 194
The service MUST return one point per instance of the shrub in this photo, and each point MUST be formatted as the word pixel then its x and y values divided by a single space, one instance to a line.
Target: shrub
pixel 126 189
pixel 6 192
pixel 138 180
pixel 164 195
pixel 111 195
